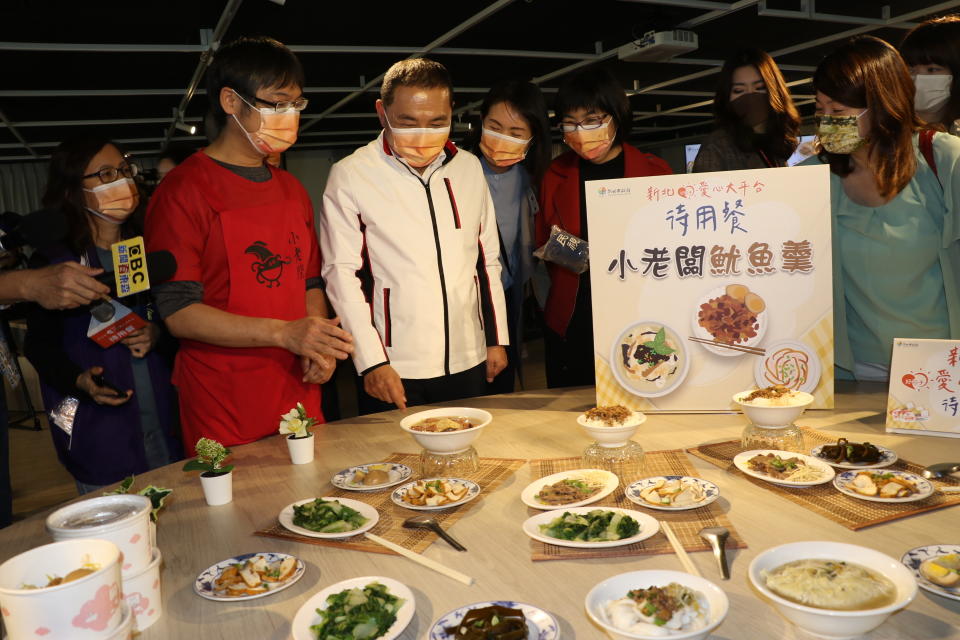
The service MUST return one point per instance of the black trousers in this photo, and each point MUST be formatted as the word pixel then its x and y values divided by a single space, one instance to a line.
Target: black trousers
pixel 466 384
pixel 504 381
pixel 569 359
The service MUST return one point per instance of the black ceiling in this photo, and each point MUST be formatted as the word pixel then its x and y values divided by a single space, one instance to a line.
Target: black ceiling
pixel 44 93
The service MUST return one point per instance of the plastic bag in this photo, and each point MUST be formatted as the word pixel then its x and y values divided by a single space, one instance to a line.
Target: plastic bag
pixel 565 249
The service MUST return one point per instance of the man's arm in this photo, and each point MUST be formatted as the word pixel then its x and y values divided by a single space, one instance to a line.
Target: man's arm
pixel 341 244
pixel 60 286
pixel 311 336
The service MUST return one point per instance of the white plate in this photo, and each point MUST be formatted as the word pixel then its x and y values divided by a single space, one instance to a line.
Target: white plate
pixel 528 494
pixel 740 460
pixel 204 586
pixel 307 615
pixel 473 490
pixel 710 491
pixel 915 557
pixel 397 472
pixel 648 528
pixel 540 624
pixel 702 333
pixel 806 383
pixel 887 458
pixel 368 512
pixel 924 486
pixel 616 357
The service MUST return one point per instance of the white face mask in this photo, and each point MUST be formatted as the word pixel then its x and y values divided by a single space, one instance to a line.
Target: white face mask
pixel 115 200
pixel 932 92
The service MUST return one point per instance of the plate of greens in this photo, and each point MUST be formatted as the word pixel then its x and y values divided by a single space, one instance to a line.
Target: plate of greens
pixel 329 517
pixel 371 607
pixel 591 528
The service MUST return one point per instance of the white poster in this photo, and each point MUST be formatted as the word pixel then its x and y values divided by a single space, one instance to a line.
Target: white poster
pixel 924 387
pixel 708 284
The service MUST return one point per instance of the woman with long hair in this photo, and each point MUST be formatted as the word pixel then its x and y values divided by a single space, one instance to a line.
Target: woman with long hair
pixel 595 120
pixel 757 122
pixel 932 50
pixel 113 410
pixel 513 142
pixel 895 190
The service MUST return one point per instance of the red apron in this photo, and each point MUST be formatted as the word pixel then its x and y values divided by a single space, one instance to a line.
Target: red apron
pixel 237 395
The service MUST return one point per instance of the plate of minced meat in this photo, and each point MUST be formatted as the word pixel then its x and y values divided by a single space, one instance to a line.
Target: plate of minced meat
pixel 569 489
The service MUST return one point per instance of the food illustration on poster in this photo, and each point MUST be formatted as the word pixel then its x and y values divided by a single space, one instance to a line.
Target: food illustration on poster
pixel 708 283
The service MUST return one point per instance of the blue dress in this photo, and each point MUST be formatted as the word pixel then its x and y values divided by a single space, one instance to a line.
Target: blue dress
pixel 897 266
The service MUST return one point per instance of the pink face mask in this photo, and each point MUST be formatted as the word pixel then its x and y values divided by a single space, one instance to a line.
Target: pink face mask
pixel 419 146
pixel 591 144
pixel 277 131
pixel 115 200
pixel 502 150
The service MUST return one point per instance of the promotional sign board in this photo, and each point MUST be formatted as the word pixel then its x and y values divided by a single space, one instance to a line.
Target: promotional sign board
pixel 708 284
pixel 924 397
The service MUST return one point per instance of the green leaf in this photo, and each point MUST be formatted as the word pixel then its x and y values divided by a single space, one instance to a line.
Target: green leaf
pixel 124 487
pixel 659 344
pixel 197 465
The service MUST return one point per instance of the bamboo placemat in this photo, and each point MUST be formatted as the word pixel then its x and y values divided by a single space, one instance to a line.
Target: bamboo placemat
pixel 491 474
pixel 686 524
pixel 824 499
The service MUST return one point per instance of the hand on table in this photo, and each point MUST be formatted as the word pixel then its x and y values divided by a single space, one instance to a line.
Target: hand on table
pixel 100 395
pixel 496 362
pixel 383 383
pixel 142 341
pixel 316 337
pixel 317 371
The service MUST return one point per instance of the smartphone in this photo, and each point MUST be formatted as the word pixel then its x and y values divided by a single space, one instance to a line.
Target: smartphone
pixel 100 381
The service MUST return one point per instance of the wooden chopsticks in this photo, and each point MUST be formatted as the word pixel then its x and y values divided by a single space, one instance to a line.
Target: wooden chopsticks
pixel 757 351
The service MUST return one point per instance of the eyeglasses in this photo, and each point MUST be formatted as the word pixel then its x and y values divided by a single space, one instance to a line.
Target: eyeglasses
pixel 593 122
pixel 109 174
pixel 280 107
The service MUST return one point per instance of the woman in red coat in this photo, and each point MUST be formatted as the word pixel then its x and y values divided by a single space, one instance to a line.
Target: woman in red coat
pixel 595 119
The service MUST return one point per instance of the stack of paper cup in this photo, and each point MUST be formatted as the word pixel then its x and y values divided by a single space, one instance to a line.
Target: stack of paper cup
pixel 125 521
pixel 85 608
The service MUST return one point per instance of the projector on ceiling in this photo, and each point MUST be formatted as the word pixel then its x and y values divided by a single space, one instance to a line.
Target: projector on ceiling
pixel 657 46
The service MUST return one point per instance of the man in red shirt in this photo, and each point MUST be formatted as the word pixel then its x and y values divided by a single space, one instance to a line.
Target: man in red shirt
pixel 247 300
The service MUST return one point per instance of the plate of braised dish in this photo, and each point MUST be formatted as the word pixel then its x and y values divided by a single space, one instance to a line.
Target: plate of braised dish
pixel 855 455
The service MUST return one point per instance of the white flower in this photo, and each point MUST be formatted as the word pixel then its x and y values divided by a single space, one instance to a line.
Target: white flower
pixel 290 415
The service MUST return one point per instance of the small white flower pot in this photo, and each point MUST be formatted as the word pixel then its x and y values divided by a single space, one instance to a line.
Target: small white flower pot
pixel 217 489
pixel 301 449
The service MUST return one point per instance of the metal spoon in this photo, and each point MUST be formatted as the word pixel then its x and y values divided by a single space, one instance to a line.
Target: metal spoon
pixel 717 537
pixel 940 470
pixel 427 522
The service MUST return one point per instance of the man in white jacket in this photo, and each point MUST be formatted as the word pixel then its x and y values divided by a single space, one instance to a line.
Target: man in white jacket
pixel 410 251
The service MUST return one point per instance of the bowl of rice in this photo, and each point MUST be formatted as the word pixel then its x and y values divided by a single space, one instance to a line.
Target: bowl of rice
pixel 775 406
pixel 832 589
pixel 622 605
pixel 611 426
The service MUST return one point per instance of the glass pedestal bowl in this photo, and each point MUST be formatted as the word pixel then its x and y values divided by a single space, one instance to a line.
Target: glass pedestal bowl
pixel 457 465
pixel 782 438
pixel 626 461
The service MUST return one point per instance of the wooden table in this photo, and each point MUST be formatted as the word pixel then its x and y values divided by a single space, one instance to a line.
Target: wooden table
pixel 532 424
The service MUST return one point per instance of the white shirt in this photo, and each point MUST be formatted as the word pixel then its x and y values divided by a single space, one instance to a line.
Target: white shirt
pixel 411 262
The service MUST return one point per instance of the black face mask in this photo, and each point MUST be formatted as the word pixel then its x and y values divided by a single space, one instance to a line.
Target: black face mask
pixel 752 108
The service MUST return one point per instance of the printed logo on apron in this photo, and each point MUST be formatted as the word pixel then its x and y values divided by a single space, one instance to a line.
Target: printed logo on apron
pixel 268 267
